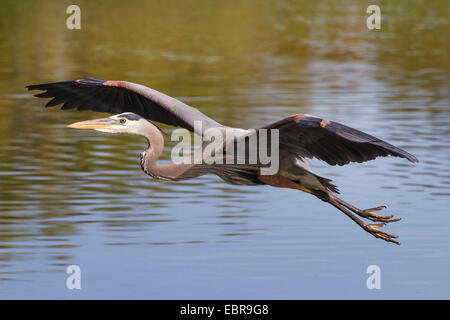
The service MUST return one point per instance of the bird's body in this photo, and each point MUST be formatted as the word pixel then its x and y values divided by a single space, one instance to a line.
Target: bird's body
pixel 299 137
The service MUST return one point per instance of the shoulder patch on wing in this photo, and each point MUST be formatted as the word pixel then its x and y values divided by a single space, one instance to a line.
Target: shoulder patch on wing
pixel 324 123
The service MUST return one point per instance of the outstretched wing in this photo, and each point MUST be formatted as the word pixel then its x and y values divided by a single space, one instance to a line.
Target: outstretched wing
pixel 332 142
pixel 121 96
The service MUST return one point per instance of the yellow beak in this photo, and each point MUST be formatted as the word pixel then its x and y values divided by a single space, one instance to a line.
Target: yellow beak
pixel 104 123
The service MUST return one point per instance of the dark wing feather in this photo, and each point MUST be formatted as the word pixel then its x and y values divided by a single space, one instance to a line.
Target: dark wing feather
pixel 122 96
pixel 332 142
pixel 230 173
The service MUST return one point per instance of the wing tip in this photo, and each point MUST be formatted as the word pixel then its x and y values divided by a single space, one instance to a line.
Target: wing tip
pixel 91 81
pixel 45 86
pixel 412 158
pixel 31 87
pixel 398 152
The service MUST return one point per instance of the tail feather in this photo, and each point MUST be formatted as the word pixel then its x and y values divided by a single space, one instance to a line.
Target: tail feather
pixel 328 185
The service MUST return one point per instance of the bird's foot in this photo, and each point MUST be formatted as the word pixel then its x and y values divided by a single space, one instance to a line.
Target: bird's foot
pixel 374 230
pixel 371 215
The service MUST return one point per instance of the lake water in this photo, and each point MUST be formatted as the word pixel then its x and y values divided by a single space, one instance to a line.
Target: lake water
pixel 70 197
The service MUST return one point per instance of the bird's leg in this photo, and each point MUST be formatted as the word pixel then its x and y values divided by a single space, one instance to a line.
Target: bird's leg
pixel 367 213
pixel 373 229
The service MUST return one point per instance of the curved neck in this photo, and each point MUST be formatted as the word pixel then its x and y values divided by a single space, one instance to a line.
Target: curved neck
pixel 150 157
pixel 155 148
pixel 155 144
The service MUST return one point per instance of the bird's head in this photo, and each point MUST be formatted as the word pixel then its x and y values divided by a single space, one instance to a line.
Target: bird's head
pixel 127 122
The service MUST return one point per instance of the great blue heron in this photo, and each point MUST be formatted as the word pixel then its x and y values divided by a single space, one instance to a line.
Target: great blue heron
pixel 300 136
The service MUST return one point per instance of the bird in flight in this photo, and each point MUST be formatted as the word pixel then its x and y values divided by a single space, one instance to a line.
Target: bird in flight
pixel 300 137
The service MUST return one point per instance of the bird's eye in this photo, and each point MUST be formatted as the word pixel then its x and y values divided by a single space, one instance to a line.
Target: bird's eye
pixel 123 120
